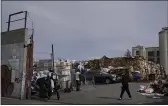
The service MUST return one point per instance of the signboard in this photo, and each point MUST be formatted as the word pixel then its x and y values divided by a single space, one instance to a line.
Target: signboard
pixel 14 63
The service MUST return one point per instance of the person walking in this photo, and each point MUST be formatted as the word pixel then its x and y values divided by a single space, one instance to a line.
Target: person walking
pixel 48 86
pixel 93 81
pixel 55 80
pixel 41 83
pixel 77 78
pixel 125 85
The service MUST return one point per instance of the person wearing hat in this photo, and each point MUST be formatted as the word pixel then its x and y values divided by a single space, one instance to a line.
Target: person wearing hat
pixel 125 85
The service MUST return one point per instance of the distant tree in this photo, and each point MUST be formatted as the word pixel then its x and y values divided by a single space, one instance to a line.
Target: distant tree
pixel 128 53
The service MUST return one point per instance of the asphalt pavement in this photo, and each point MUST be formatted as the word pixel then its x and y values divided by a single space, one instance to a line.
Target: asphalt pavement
pixel 100 94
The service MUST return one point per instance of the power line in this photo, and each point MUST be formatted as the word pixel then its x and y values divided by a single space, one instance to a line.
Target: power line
pixel 28 15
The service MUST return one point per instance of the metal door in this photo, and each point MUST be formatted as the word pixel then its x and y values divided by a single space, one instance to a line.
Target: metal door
pixel 6 85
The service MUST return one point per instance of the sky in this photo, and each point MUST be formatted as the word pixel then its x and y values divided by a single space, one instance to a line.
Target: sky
pixel 89 29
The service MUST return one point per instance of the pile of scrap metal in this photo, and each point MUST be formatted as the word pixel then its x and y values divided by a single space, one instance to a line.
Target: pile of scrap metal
pixel 138 63
pixel 155 89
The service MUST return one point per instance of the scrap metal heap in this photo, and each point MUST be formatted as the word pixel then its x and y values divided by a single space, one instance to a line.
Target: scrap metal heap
pixel 137 63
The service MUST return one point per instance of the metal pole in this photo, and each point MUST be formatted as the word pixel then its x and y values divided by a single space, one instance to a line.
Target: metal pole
pixel 30 53
pixel 167 13
pixel 29 73
pixel 25 19
pixel 9 22
pixel 18 19
pixel 53 57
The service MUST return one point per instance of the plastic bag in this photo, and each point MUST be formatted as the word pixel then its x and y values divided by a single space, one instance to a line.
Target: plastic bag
pixel 52 84
pixel 149 90
pixel 142 87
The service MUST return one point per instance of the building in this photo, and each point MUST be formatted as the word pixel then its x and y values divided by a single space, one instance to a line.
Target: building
pixel 139 51
pixel 152 54
pixel 163 48
pixel 44 64
pixel 149 53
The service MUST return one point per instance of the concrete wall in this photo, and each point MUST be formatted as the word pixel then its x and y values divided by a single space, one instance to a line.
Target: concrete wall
pixel 163 48
pixel 14 54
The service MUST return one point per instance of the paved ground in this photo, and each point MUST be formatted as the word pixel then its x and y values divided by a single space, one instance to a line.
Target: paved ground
pixel 102 94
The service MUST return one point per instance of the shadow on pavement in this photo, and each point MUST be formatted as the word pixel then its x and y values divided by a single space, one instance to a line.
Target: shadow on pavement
pixel 163 102
pixel 107 98
pixel 110 98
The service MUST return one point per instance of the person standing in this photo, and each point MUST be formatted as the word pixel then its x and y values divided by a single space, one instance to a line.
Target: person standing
pixel 43 92
pixel 93 81
pixel 125 85
pixel 55 80
pixel 77 78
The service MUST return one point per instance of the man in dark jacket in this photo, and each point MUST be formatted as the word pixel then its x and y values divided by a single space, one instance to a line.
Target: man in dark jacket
pixel 55 85
pixel 43 91
pixel 125 85
pixel 48 86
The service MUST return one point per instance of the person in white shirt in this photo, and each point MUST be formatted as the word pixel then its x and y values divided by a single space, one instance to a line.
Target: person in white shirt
pixel 77 78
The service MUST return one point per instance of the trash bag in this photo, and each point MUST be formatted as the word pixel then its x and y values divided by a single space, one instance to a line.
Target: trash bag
pixel 149 90
pixel 142 89
pixel 158 94
pixel 148 94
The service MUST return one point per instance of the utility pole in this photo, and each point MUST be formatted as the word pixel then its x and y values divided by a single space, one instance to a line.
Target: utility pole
pixel 52 57
pixel 167 13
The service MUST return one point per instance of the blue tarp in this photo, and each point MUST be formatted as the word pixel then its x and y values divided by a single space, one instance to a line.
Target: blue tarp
pixel 136 76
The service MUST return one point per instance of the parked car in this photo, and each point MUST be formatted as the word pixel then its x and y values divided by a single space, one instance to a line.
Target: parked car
pixel 100 77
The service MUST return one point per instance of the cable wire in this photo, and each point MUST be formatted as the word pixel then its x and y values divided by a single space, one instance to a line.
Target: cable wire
pixel 32 24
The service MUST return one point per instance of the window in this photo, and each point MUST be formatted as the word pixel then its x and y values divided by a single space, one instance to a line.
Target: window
pixel 151 59
pixel 158 53
pixel 137 53
pixel 45 64
pixel 151 53
pixel 158 60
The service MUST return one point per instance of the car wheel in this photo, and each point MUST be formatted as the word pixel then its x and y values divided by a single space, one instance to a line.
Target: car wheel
pixel 107 81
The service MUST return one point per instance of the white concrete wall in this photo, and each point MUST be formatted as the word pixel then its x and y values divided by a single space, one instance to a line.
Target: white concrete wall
pixel 163 47
pixel 14 54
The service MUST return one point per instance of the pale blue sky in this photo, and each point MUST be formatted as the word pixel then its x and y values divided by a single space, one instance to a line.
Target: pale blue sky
pixel 87 29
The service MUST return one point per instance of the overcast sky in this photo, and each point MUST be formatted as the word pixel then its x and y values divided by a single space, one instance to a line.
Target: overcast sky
pixel 88 29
